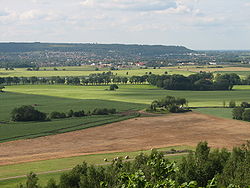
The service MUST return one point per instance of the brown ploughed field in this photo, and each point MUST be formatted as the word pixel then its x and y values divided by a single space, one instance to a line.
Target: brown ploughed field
pixel 130 135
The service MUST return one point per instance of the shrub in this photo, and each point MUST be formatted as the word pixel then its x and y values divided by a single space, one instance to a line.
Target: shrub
pixel 57 115
pixel 232 104
pixel 113 87
pixel 79 114
pixel 70 113
pixel 173 108
pixel 100 111
pixel 103 111
pixel 237 113
pixel 246 115
pixel 245 105
pixel 27 113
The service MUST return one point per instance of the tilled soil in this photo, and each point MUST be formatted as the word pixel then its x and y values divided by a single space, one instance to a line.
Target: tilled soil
pixel 130 135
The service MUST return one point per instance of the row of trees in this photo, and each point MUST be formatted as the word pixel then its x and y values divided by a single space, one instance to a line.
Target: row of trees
pixel 201 81
pixel 29 113
pixel 169 103
pixel 202 168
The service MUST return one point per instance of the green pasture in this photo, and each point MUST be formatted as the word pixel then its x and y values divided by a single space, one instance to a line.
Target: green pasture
pixel 23 130
pixel 67 163
pixel 19 130
pixel 139 94
pixel 219 112
pixel 49 103
pixel 85 71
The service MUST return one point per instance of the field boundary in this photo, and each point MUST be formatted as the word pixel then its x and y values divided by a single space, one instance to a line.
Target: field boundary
pixel 54 132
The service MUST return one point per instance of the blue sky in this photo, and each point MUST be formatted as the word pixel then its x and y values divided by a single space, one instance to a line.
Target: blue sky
pixel 196 24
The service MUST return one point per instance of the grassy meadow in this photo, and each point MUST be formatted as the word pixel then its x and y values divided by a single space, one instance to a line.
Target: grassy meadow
pixel 221 112
pixel 62 98
pixel 139 94
pixel 19 130
pixel 67 163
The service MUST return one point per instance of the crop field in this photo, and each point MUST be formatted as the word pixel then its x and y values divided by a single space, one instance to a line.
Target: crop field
pixel 72 71
pixel 241 71
pixel 92 145
pixel 20 130
pixel 130 135
pixel 62 98
pixel 139 94
pixel 54 169
pixel 219 112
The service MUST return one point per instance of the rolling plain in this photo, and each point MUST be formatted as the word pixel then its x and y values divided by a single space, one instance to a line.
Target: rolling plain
pixel 60 144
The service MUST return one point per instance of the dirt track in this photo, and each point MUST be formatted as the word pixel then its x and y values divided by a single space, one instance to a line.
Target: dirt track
pixel 130 135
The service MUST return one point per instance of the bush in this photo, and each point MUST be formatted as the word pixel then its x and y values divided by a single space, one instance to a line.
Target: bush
pixel 27 113
pixel 173 108
pixel 238 112
pixel 79 114
pixel 103 111
pixel 232 104
pixel 70 113
pixel 113 87
pixel 246 115
pixel 245 105
pixel 57 115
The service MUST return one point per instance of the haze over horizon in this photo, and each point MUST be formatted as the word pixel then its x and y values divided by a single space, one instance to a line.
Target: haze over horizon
pixel 195 24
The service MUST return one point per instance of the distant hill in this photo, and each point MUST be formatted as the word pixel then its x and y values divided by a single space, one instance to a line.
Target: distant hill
pixel 98 49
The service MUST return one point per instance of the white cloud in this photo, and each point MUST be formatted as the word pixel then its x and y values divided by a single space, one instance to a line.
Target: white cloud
pixel 123 21
pixel 130 5
pixel 4 13
pixel 32 15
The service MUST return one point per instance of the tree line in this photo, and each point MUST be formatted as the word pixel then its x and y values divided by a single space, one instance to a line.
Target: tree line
pixel 29 113
pixel 203 168
pixel 201 81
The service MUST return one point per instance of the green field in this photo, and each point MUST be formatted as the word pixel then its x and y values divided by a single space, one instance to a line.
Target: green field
pixel 66 163
pixel 85 71
pixel 62 98
pixel 142 94
pixel 219 112
pixel 19 130
pixel 48 98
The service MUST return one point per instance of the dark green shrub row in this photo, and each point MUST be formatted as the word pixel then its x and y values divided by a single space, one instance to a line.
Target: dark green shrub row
pixel 29 113
pixel 81 113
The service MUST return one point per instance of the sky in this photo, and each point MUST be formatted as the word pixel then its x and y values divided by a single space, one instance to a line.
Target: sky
pixel 196 24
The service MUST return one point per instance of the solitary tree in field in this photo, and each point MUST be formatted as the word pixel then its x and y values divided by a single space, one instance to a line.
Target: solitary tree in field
pixel 113 87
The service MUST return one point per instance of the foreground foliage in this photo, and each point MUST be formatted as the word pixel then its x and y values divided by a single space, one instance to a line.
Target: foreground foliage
pixel 202 168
